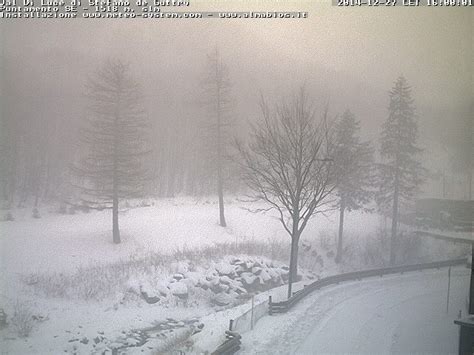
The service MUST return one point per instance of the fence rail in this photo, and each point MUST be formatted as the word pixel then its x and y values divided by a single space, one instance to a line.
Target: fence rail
pixel 231 344
pixel 284 306
pixel 247 320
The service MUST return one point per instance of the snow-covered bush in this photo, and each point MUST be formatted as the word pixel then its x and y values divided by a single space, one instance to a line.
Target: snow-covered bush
pixel 35 213
pixel 374 254
pixel 366 252
pixel 85 208
pixel 22 319
pixel 326 240
pixel 178 342
pixel 62 209
pixel 408 249
pixel 3 318
pixel 161 279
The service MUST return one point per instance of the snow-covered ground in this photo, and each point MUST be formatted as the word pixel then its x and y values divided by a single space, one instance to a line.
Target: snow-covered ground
pixel 78 249
pixel 85 293
pixel 63 242
pixel 394 314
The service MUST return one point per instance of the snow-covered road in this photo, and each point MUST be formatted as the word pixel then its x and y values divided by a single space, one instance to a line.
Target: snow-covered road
pixel 395 314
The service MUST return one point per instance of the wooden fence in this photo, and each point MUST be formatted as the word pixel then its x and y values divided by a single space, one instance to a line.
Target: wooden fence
pixel 284 306
pixel 233 342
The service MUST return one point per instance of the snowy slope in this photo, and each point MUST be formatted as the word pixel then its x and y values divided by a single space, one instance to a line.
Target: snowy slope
pixel 37 255
pixel 63 242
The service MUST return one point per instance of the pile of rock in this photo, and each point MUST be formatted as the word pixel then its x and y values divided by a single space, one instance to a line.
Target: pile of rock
pixel 226 283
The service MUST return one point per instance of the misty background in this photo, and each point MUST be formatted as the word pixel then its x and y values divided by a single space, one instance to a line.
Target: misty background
pixel 140 115
pixel 347 58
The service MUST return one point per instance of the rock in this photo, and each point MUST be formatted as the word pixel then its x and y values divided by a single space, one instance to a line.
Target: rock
pixel 273 273
pixel 217 288
pixel 163 290
pixel 179 289
pixel 203 284
pixel 240 269
pixel 178 277
pixel 193 277
pixel 226 280
pixel 256 270
pixel 265 276
pixel 248 279
pixel 221 299
pixel 240 290
pixel 150 299
pixel 210 277
pixel 197 328
pixel 236 261
pixel 224 269
pixel 148 294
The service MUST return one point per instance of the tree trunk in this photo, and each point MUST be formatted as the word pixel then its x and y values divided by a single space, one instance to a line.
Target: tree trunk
pixel 115 221
pixel 394 225
pixel 115 199
pixel 220 192
pixel 471 286
pixel 444 185
pixel 293 273
pixel 220 184
pixel 469 185
pixel 342 207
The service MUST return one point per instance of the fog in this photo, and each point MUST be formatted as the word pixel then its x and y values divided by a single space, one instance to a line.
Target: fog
pixel 348 57
pixel 237 157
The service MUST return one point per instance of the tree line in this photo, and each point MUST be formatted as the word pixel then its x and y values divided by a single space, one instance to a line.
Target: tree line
pixel 296 159
pixel 302 165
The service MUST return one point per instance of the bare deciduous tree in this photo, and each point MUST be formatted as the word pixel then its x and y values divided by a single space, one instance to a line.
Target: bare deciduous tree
pixel 115 139
pixel 287 164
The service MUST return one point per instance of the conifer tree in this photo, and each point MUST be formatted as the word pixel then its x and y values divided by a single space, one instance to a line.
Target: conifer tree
pixel 115 141
pixel 400 172
pixel 354 171
pixel 217 91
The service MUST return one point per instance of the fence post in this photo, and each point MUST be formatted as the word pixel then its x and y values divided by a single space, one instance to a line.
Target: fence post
pixel 449 286
pixel 231 323
pixel 251 315
pixel 270 305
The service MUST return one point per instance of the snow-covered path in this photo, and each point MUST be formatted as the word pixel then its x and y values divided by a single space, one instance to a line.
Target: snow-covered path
pixel 395 314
